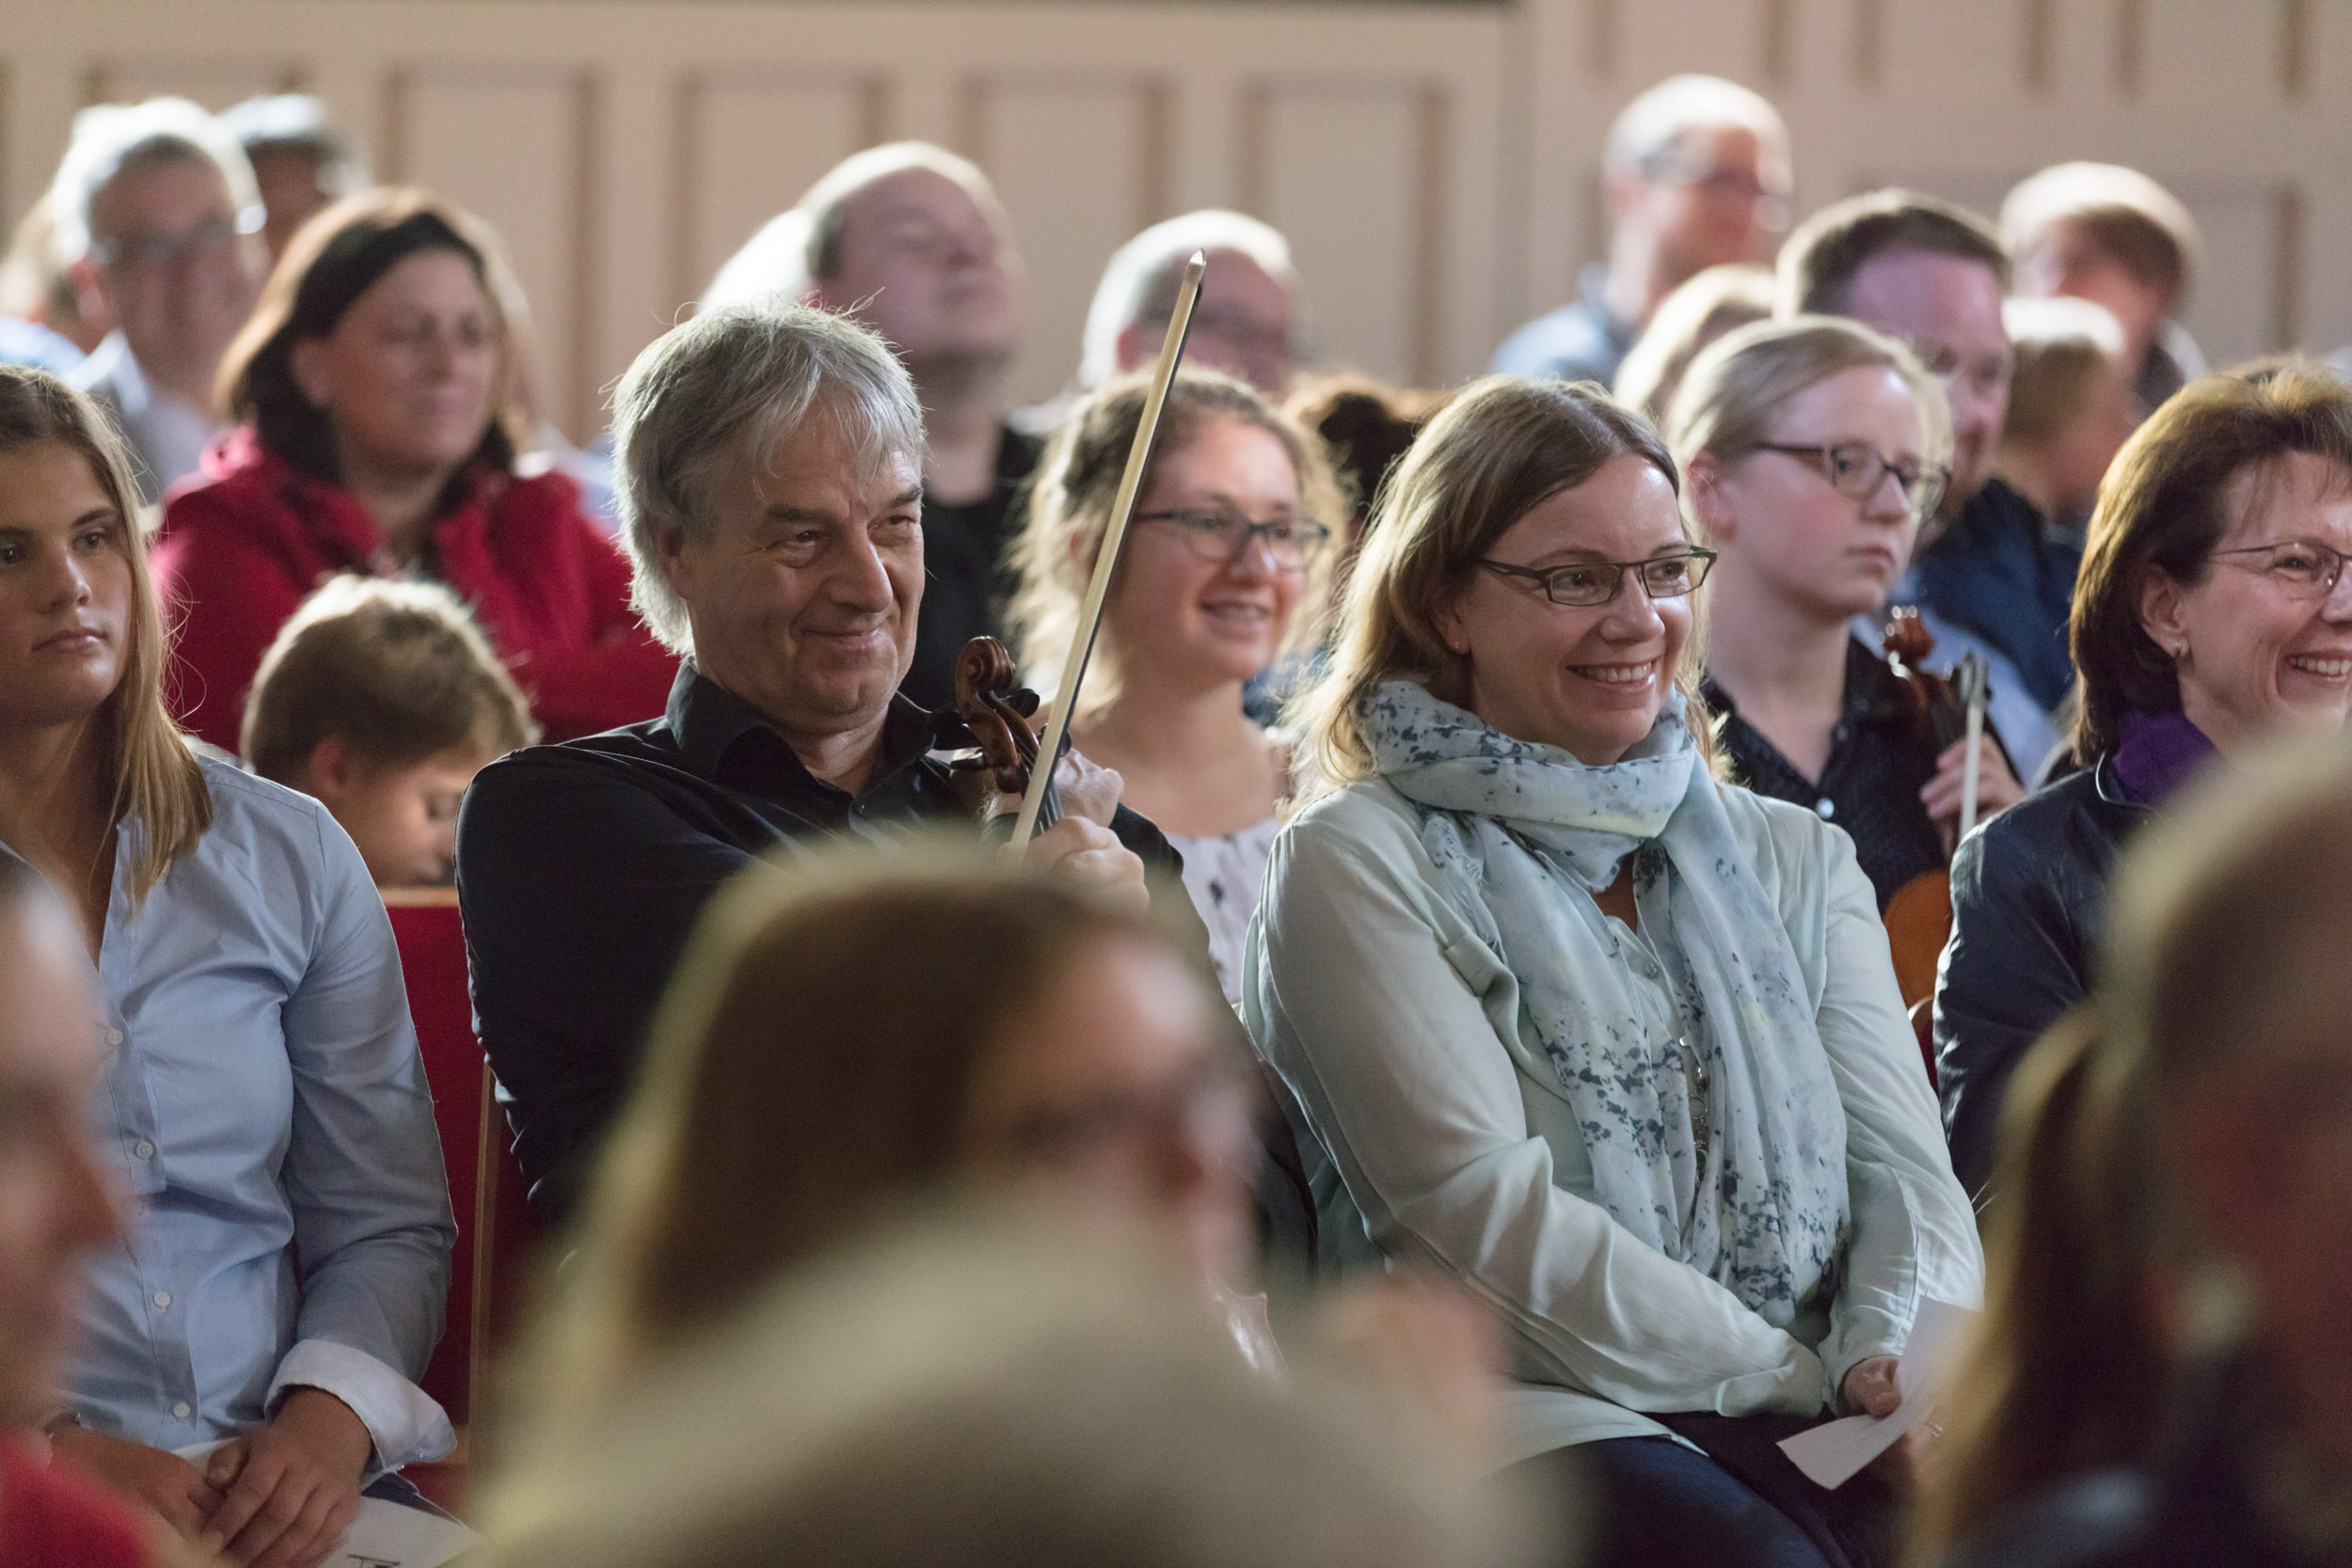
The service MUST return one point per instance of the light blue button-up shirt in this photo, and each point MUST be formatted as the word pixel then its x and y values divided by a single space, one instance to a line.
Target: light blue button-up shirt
pixel 270 1114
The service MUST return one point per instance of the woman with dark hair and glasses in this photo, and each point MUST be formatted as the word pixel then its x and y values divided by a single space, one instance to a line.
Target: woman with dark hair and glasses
pixel 375 437
pixel 1226 569
pixel 2211 611
pixel 1569 1019
pixel 1813 449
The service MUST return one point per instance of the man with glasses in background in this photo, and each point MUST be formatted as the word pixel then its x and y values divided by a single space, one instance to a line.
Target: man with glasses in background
pixel 159 218
pixel 1696 174
pixel 1989 574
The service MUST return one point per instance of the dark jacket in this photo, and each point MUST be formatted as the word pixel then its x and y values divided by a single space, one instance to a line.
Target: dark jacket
pixel 2004 572
pixel 2028 893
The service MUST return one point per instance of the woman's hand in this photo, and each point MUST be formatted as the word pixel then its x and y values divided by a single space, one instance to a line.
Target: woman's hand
pixel 1997 788
pixel 164 1482
pixel 1871 1390
pixel 1087 855
pixel 291 1488
pixel 1431 1342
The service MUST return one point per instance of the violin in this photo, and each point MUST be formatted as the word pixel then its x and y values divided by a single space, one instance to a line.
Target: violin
pixel 997 709
pixel 1919 917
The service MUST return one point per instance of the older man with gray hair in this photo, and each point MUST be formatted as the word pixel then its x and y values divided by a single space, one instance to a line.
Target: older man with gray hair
pixel 158 222
pixel 770 466
pixel 1249 323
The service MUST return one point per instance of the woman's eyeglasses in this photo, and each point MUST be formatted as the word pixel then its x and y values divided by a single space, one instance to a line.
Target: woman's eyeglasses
pixel 1586 584
pixel 1856 470
pixel 1221 536
pixel 2304 567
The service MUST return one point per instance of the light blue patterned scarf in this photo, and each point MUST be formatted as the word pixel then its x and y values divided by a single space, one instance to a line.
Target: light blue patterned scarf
pixel 1520 833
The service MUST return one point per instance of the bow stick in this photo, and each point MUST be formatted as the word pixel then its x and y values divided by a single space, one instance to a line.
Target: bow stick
pixel 1073 670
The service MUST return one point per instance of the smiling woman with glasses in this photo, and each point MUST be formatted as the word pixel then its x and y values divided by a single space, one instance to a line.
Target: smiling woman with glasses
pixel 1815 448
pixel 1566 1016
pixel 1225 570
pixel 2211 613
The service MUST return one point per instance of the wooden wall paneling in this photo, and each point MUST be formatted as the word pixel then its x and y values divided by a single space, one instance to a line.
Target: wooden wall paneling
pixel 1722 38
pixel 2216 54
pixel 1968 57
pixel 1031 129
pixel 1342 172
pixel 759 140
pixel 216 81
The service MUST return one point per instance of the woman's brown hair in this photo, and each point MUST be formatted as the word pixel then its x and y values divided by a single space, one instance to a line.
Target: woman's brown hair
pixel 1503 447
pixel 149 776
pixel 2163 505
pixel 333 260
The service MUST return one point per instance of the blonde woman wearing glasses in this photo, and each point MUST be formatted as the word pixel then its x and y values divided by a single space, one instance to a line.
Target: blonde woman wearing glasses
pixel 1812 449
pixel 1225 570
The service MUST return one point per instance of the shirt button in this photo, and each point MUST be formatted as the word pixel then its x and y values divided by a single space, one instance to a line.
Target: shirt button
pixel 1827 807
pixel 179 1411
pixel 114 1037
pixel 145 1150
pixel 163 1298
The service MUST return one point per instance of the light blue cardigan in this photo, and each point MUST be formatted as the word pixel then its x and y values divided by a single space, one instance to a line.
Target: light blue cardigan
pixel 1435 1133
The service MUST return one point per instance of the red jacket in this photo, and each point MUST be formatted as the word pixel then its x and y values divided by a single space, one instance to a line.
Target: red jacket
pixel 243 542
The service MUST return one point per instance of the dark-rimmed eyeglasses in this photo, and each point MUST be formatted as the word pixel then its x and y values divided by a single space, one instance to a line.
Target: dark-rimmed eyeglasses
pixel 1856 470
pixel 2304 567
pixel 160 250
pixel 1221 536
pixel 1586 584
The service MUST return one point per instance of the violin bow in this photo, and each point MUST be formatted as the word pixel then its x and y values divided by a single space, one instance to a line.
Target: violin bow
pixel 1073 669
pixel 1973 691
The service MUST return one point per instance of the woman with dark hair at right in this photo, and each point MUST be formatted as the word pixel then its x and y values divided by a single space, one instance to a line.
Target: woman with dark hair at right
pixel 372 390
pixel 2161 1379
pixel 2211 611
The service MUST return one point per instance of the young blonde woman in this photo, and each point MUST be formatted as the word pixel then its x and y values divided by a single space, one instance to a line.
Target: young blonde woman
pixel 1224 571
pixel 1813 449
pixel 283 1285
pixel 1615 1044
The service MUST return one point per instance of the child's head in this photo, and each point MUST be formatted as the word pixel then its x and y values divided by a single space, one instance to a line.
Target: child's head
pixel 383 700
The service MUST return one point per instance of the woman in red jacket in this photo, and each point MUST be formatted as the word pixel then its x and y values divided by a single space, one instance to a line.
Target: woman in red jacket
pixel 371 390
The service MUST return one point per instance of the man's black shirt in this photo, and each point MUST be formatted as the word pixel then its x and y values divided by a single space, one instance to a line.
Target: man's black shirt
pixel 964 579
pixel 582 868
pixel 1870 784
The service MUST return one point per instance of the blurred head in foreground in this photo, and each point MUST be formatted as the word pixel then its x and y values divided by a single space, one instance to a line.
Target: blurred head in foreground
pixel 844 1039
pixel 2177 1179
pixel 994 1387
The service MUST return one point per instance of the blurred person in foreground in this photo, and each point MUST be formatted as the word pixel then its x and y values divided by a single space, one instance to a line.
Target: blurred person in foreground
pixel 158 222
pixel 2160 1381
pixel 1991 575
pixel 382 700
pixel 1613 1044
pixel 2213 612
pixel 1251 319
pixel 59 1205
pixel 1036 1040
pixel 2070 405
pixel 1696 174
pixel 2112 236
pixel 997 1383
pixel 301 164
pixel 1224 572
pixel 771 494
pixel 911 240
pixel 376 437
pixel 1714 302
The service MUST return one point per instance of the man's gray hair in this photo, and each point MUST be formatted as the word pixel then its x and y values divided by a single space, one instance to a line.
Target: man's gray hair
pixel 297 122
pixel 110 138
pixel 1139 282
pixel 1651 126
pixel 729 387
pixel 798 249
